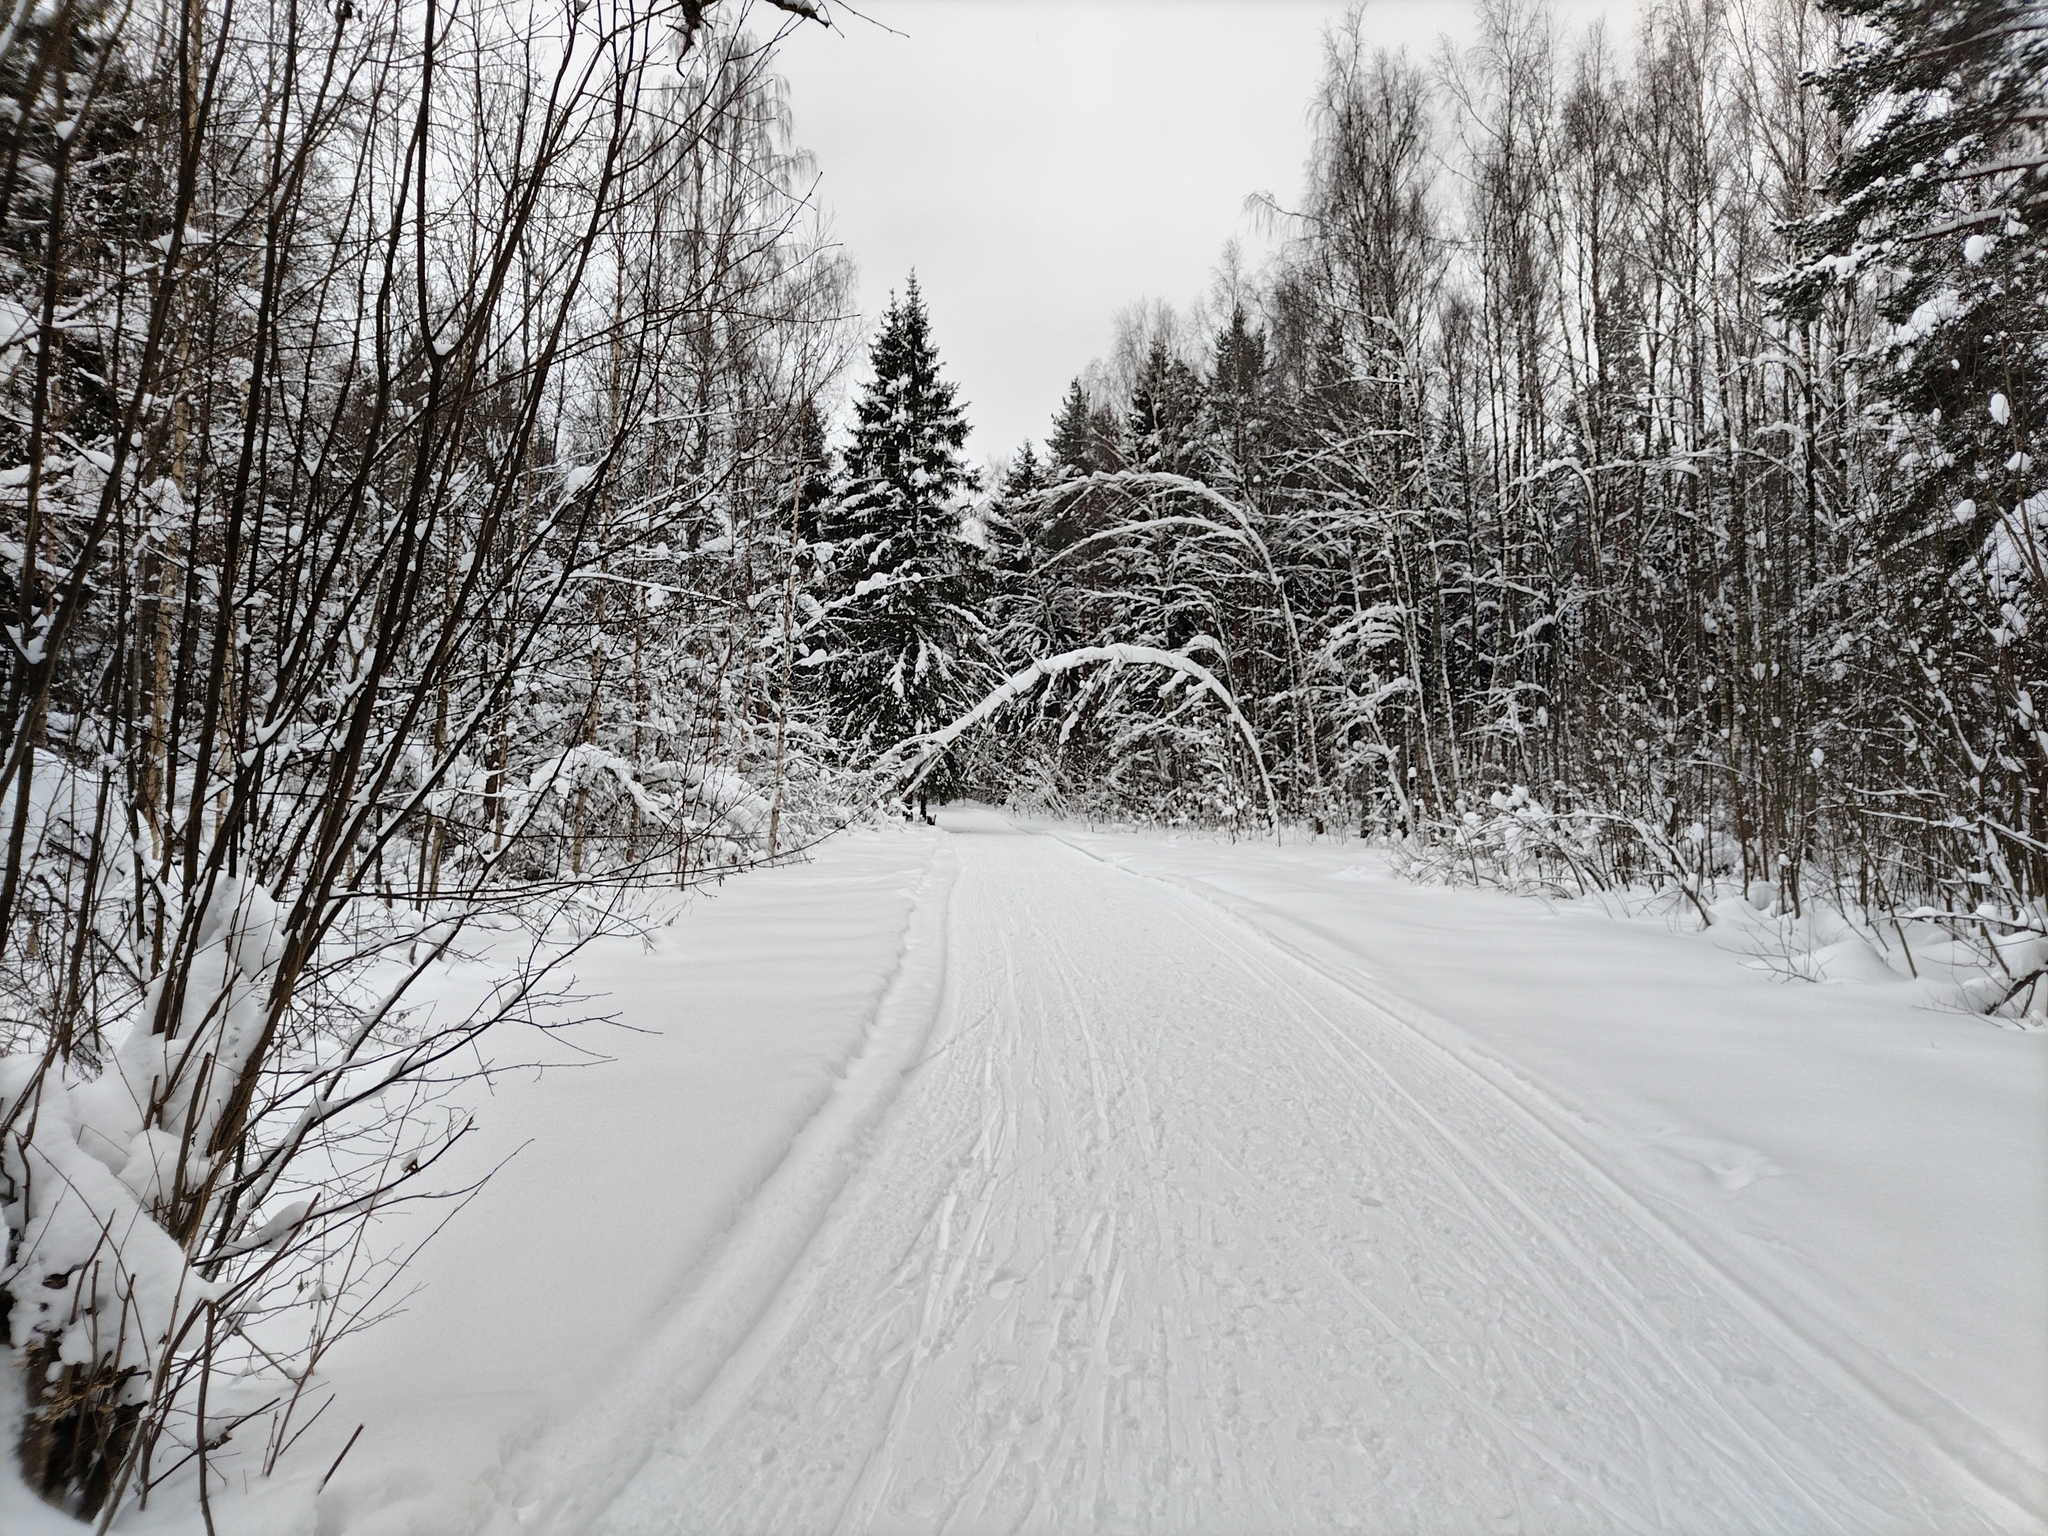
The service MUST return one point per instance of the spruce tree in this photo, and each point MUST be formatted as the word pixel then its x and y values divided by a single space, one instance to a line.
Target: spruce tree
pixel 905 586
pixel 1937 209
pixel 1239 410
pixel 1013 522
pixel 1020 535
pixel 1072 446
pixel 1082 443
pixel 817 492
pixel 1026 474
pixel 1939 203
pixel 1162 428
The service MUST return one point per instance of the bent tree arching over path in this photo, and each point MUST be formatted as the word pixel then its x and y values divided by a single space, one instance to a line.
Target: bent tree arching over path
pixel 1163 1229
pixel 929 749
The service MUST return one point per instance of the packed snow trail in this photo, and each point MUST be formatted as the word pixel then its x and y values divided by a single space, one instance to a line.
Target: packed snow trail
pixel 1166 1231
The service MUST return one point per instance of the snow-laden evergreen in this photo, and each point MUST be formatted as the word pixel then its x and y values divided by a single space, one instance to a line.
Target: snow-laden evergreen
pixel 903 635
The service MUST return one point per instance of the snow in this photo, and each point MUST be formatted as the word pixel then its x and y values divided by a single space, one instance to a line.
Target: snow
pixel 84 1179
pixel 1874 1165
pixel 617 1184
pixel 1036 1177
pixel 122 1281
pixel 1180 663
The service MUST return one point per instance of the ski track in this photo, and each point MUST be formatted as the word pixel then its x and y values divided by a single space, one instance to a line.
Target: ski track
pixel 1166 1231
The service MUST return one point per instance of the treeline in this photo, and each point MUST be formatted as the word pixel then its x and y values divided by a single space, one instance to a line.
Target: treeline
pixel 1624 473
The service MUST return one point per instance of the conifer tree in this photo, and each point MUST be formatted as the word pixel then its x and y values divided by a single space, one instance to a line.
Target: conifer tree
pixel 1071 449
pixel 1017 526
pixel 906 586
pixel 1162 428
pixel 1015 523
pixel 1027 474
pixel 1238 408
pixel 816 492
pixel 1083 442
pixel 1937 206
pixel 1941 199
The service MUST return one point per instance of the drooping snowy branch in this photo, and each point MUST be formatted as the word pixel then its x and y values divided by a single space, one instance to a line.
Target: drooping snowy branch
pixel 928 749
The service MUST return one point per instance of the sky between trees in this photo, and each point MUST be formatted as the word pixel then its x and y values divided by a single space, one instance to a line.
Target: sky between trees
pixel 1044 164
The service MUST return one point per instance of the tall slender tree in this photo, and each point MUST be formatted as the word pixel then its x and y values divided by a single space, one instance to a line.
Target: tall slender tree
pixel 905 584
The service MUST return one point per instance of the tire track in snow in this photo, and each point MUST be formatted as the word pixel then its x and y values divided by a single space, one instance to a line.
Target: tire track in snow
pixel 2012 1475
pixel 572 1472
pixel 1170 1231
pixel 1478 1190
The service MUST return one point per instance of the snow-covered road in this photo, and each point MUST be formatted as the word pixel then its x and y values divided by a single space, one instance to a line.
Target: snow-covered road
pixel 1162 1229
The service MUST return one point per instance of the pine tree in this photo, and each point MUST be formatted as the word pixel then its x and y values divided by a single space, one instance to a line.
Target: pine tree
pixel 905 586
pixel 1072 447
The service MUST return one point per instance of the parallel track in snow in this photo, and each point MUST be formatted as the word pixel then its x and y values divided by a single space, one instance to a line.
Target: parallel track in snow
pixel 1164 1230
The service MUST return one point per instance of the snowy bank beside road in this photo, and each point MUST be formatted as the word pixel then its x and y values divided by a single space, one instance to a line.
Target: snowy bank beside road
pixel 1874 1168
pixel 618 1184
pixel 628 1175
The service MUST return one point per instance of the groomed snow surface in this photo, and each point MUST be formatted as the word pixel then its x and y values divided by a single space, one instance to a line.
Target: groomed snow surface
pixel 1018 1178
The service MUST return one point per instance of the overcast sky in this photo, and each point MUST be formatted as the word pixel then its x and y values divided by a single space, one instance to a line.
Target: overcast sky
pixel 1042 163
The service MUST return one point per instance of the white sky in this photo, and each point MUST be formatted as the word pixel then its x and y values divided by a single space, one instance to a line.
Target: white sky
pixel 1042 163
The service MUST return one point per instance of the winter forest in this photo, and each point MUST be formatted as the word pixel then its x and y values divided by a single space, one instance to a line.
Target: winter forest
pixel 451 505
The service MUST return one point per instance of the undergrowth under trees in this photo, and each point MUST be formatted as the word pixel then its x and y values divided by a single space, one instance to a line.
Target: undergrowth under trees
pixel 404 407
